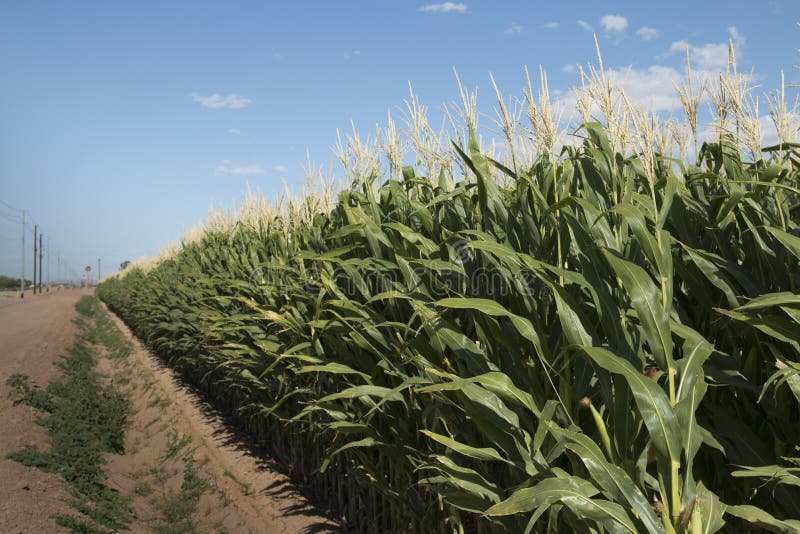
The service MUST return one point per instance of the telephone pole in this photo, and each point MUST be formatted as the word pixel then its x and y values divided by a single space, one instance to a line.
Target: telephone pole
pixel 98 270
pixel 40 262
pixel 35 232
pixel 22 273
pixel 48 264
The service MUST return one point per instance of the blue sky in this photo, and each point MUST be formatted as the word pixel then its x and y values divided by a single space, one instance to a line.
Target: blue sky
pixel 121 124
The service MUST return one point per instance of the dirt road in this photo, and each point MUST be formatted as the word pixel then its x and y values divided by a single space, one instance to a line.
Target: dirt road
pixel 177 449
pixel 34 332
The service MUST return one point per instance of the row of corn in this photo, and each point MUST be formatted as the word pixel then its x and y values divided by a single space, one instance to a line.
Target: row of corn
pixel 601 342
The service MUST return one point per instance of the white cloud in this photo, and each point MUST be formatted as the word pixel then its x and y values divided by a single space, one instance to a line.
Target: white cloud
pixel 277 56
pixel 710 56
pixel 235 131
pixel 354 53
pixel 736 37
pixel 569 67
pixel 280 168
pixel 614 23
pixel 217 101
pixel 445 7
pixel 585 25
pixel 679 46
pixel 652 87
pixel 226 168
pixel 514 28
pixel 646 33
pixel 768 131
pixel 551 25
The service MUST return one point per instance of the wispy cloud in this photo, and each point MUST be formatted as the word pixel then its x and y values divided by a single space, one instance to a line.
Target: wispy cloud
pixel 736 37
pixel 551 25
pixel 217 101
pixel 227 168
pixel 614 23
pixel 646 33
pixel 235 131
pixel 514 28
pixel 585 25
pixel 277 56
pixel 569 68
pixel 710 56
pixel 354 53
pixel 444 7
pixel 280 168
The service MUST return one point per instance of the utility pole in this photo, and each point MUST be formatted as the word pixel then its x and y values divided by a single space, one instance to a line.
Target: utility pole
pixel 98 270
pixel 22 273
pixel 40 262
pixel 59 266
pixel 48 264
pixel 35 232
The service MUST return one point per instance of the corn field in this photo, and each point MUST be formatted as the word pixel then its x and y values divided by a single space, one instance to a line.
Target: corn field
pixel 595 336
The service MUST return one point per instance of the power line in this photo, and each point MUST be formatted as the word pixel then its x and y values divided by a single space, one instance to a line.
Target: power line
pixel 6 204
pixel 31 227
pixel 12 218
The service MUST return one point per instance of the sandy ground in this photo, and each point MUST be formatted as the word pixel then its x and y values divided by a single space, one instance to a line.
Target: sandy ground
pixel 34 332
pixel 172 433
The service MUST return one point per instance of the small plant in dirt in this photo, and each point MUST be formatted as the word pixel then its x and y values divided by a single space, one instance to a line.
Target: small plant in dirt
pixel 23 393
pixel 177 510
pixel 247 488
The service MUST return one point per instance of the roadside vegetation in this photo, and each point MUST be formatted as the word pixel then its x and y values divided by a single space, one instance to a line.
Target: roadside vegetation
pixel 595 333
pixel 7 282
pixel 90 416
pixel 85 420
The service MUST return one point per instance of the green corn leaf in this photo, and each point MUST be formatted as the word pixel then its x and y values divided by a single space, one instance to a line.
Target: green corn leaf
pixel 763 520
pixel 646 300
pixel 613 480
pixel 791 242
pixel 711 511
pixel 573 492
pixel 479 453
pixel 653 403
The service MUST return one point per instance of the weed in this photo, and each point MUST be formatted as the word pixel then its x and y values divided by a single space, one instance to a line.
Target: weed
pixel 175 443
pixel 177 509
pixel 246 488
pixel 24 393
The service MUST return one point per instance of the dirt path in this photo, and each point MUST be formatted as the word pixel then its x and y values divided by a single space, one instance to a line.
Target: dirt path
pixel 185 470
pixel 34 332
pixel 243 493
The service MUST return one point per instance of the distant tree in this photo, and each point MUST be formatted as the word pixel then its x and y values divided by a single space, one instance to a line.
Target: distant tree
pixel 124 265
pixel 6 282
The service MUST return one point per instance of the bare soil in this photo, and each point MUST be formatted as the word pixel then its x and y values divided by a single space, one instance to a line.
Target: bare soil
pixel 184 467
pixel 34 332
